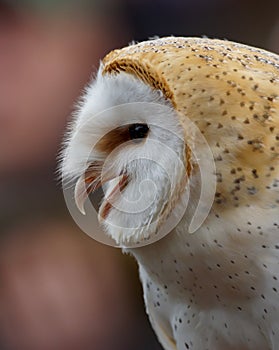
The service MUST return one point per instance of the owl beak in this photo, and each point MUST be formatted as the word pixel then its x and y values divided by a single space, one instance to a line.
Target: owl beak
pixel 82 190
pixel 90 182
pixel 86 184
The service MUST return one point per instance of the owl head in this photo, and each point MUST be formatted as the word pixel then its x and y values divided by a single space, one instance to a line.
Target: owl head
pixel 166 120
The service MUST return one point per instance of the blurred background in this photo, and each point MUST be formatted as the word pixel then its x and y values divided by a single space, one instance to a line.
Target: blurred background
pixel 59 289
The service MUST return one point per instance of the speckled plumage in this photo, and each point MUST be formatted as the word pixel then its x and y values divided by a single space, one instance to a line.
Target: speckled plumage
pixel 231 92
pixel 218 288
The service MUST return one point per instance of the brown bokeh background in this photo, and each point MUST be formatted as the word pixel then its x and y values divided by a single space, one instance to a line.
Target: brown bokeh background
pixel 59 289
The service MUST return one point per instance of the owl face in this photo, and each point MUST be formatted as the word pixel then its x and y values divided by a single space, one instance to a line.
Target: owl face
pixel 126 138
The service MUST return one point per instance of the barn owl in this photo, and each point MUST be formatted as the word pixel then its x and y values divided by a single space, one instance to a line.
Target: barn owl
pixel 175 123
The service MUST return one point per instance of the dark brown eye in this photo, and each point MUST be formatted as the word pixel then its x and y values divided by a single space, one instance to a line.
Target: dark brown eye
pixel 114 138
pixel 138 131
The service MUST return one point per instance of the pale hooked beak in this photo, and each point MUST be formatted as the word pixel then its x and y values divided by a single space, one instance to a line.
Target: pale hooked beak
pixel 91 181
pixel 82 190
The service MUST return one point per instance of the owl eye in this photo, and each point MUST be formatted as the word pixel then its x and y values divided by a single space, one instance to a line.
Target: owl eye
pixel 138 131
